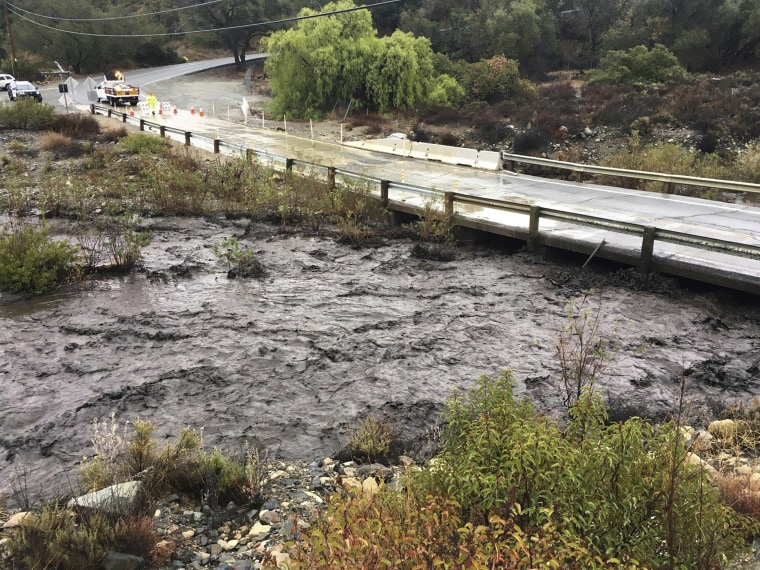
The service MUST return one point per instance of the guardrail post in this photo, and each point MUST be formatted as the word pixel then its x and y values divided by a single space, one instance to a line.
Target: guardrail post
pixel 289 165
pixel 668 188
pixel 535 216
pixel 162 131
pixel 647 249
pixel 92 108
pixel 109 113
pixel 249 154
pixel 217 142
pixel 142 124
pixel 188 134
pixel 331 177
pixel 123 116
pixel 384 187
pixel 448 203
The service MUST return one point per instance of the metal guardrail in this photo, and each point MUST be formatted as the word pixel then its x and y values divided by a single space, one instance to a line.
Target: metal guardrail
pixel 648 234
pixel 638 174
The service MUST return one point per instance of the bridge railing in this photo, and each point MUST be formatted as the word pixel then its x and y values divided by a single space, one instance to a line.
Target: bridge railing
pixel 668 179
pixel 414 199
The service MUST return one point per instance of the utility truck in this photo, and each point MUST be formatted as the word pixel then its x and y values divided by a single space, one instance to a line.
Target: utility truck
pixel 116 91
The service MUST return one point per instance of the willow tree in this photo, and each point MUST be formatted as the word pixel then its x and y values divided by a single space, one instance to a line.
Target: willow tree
pixel 400 71
pixel 338 58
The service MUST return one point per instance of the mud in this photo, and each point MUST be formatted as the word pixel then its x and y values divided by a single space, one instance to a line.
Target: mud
pixel 331 333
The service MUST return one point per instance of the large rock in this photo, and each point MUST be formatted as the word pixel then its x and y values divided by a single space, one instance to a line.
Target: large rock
pixel 726 430
pixel 119 561
pixel 119 498
pixel 15 520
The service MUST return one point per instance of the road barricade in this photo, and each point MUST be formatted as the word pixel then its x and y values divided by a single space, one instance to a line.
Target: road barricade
pixel 489 160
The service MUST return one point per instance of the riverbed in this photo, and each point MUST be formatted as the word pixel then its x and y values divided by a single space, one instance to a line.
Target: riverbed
pixel 333 332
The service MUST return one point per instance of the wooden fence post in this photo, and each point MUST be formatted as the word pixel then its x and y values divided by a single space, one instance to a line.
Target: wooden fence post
pixel 331 177
pixel 535 216
pixel 647 249
pixel 448 203
pixel 384 187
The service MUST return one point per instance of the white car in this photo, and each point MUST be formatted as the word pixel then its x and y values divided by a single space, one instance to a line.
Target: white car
pixel 6 80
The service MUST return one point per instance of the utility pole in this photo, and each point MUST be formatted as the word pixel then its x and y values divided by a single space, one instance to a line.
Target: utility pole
pixel 10 35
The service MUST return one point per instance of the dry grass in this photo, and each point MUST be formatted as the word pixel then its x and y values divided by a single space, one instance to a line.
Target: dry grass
pixel 62 146
pixel 740 492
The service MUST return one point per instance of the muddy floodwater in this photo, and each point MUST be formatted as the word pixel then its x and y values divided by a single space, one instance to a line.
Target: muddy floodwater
pixel 332 333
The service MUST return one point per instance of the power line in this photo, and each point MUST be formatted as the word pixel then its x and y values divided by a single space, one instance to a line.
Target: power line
pixel 210 30
pixel 110 17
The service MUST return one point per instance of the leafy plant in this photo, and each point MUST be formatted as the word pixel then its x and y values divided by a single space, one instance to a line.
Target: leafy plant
pixel 638 65
pixel 621 493
pixel 238 478
pixel 31 262
pixel 581 350
pixel 240 261
pixel 27 115
pixel 60 539
pixel 141 143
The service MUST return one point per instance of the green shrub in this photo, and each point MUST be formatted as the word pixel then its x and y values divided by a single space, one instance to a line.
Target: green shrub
pixel 371 439
pixel 240 261
pixel 27 115
pixel 121 456
pixel 395 531
pixel 666 158
pixel 237 478
pixel 33 263
pixel 58 538
pixel 638 65
pixel 141 143
pixel 495 79
pixel 622 491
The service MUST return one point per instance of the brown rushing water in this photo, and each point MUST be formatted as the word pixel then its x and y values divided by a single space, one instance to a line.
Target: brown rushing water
pixel 332 333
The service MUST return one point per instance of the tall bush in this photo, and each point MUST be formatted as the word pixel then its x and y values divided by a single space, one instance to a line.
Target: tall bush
pixel 620 492
pixel 27 115
pixel 31 262
pixel 638 65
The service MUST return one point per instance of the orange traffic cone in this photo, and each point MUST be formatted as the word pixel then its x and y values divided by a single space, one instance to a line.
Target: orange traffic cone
pixel 201 111
pixel 192 110
pixel 131 113
pixel 175 110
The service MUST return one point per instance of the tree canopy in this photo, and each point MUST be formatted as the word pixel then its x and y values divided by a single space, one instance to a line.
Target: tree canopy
pixel 340 59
